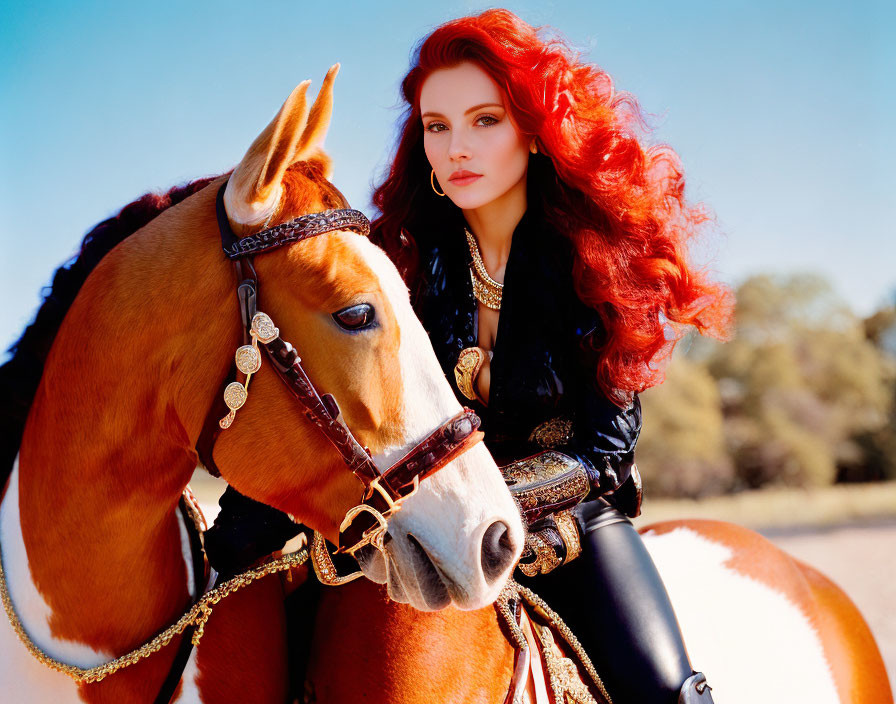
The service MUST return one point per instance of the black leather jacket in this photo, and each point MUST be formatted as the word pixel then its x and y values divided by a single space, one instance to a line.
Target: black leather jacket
pixel 539 370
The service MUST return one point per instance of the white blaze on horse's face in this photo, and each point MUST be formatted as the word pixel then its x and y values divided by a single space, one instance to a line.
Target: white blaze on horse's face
pixel 342 302
pixel 457 539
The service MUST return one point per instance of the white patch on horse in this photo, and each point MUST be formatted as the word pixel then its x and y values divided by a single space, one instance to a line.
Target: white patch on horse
pixel 472 483
pixel 22 677
pixel 427 397
pixel 189 689
pixel 752 643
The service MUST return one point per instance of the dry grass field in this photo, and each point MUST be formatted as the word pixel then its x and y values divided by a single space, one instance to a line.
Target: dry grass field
pixel 783 508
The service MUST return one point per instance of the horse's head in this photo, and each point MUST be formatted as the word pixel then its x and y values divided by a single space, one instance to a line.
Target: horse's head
pixel 341 302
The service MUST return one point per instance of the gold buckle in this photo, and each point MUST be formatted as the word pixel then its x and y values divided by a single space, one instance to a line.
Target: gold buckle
pixel 375 535
pixel 393 505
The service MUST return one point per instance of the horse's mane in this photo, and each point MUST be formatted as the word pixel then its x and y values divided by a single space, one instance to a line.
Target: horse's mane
pixel 21 374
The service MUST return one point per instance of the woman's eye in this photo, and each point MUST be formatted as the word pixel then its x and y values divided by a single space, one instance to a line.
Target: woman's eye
pixel 356 317
pixel 486 120
pixel 436 127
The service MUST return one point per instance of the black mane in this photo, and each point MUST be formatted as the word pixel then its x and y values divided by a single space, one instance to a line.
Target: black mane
pixel 20 376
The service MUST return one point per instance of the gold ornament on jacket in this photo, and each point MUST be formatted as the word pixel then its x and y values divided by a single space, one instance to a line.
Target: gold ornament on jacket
pixel 469 363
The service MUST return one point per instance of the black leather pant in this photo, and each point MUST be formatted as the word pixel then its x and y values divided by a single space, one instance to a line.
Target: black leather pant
pixel 613 599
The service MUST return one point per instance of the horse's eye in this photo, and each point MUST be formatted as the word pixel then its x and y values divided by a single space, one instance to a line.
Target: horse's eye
pixel 356 317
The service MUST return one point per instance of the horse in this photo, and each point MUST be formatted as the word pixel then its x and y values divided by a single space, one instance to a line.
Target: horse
pixel 110 444
pixel 762 625
pixel 97 556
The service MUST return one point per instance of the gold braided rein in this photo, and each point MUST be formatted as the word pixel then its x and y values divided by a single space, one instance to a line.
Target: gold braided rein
pixel 197 615
pixel 512 590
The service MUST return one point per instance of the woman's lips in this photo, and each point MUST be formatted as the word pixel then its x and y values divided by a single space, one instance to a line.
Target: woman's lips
pixel 463 178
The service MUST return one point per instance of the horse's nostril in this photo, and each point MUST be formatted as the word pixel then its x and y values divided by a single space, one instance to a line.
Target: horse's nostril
pixel 433 588
pixel 497 550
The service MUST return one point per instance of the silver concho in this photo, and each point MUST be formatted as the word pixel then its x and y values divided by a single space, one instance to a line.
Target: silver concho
pixel 235 395
pixel 248 359
pixel 263 328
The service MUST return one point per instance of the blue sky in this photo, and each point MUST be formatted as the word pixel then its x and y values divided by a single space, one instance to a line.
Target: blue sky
pixel 781 111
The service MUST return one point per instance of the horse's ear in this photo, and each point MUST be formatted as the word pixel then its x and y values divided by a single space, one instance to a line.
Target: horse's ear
pixel 253 191
pixel 319 118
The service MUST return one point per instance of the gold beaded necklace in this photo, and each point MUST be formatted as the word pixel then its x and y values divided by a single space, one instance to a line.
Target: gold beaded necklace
pixel 485 288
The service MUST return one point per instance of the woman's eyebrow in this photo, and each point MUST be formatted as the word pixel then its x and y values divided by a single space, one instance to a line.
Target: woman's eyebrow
pixel 467 112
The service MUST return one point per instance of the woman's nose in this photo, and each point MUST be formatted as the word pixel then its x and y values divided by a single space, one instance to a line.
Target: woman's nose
pixel 459 147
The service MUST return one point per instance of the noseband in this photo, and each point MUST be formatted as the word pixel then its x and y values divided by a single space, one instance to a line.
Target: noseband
pixel 384 491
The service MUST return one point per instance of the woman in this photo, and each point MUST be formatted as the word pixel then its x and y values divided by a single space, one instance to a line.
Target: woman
pixel 523 209
pixel 544 246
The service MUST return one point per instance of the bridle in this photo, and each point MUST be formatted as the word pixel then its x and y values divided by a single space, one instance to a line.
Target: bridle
pixel 384 492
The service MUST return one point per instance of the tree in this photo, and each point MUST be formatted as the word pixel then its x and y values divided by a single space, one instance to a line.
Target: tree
pixel 879 446
pixel 802 383
pixel 682 449
pixel 803 395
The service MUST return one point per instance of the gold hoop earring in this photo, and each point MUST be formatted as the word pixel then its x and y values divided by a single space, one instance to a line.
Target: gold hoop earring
pixel 432 182
pixel 533 147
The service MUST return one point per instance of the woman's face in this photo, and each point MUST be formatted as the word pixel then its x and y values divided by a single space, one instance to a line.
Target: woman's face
pixel 476 150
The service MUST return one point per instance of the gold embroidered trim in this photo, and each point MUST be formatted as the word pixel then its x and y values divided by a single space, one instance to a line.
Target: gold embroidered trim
pixel 546 559
pixel 546 479
pixel 569 532
pixel 505 606
pixel 563 674
pixel 553 433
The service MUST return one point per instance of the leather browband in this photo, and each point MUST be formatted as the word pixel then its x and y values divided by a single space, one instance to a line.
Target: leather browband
pixel 398 481
pixel 295 230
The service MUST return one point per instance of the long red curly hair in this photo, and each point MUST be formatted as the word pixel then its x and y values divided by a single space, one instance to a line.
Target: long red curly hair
pixel 620 202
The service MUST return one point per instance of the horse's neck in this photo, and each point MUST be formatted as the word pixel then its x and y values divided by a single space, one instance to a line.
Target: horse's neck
pixel 75 605
pixel 105 545
pixel 107 449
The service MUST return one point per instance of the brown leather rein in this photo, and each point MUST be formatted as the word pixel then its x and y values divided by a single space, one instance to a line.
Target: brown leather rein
pixel 384 491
